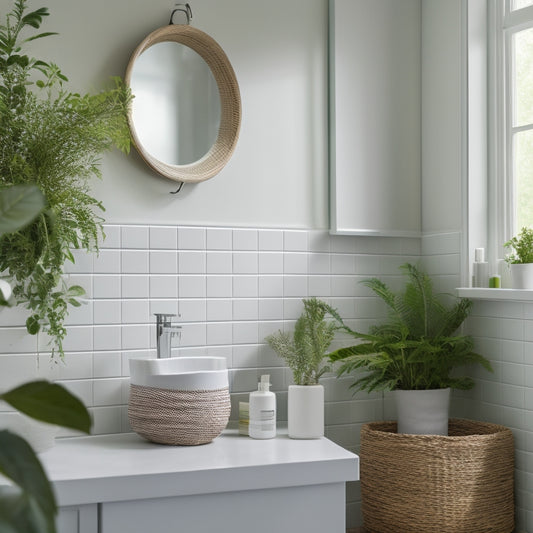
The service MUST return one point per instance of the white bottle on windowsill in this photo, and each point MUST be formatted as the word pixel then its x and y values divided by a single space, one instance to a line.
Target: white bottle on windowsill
pixel 480 274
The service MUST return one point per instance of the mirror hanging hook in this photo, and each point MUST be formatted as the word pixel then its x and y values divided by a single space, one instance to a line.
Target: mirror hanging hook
pixel 183 8
pixel 178 189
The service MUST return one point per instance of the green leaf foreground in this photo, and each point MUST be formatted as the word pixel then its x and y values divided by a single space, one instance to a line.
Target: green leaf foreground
pixel 32 507
pixel 49 402
pixel 19 205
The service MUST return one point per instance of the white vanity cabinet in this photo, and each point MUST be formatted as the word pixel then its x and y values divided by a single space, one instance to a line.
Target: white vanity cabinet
pixel 309 509
pixel 119 483
pixel 78 519
pixel 375 117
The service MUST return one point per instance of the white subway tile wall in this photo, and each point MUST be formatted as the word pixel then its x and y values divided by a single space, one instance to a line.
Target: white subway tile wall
pixel 231 287
pixel 502 332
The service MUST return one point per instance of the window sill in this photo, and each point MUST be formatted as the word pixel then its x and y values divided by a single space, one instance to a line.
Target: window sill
pixel 513 295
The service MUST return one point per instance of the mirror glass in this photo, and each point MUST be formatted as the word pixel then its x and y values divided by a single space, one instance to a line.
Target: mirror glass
pixel 176 109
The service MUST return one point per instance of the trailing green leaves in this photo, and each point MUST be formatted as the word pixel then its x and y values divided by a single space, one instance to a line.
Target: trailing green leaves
pixel 52 139
pixel 416 348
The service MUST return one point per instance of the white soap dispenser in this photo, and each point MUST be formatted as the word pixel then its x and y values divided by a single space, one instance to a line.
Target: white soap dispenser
pixel 262 411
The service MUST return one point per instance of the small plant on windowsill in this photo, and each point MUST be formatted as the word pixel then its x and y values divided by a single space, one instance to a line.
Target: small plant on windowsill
pixel 520 259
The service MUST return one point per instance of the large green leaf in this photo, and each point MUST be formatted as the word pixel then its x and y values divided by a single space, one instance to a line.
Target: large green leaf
pixel 19 205
pixel 50 403
pixel 21 513
pixel 19 463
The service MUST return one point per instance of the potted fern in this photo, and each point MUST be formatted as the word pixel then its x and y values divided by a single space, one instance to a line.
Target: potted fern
pixel 304 351
pixel 520 259
pixel 414 353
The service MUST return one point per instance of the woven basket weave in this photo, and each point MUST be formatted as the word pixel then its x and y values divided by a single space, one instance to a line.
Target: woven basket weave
pixel 178 417
pixel 429 483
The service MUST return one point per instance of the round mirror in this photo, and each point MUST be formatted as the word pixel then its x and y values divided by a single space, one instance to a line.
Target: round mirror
pixel 186 111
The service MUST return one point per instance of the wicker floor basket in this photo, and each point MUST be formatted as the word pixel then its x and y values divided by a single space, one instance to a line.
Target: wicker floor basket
pixel 178 417
pixel 462 483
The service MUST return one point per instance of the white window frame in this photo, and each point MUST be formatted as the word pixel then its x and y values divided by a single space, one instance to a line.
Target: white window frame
pixel 502 24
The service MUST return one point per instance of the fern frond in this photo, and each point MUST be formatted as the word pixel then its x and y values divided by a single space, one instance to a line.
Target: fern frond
pixel 416 348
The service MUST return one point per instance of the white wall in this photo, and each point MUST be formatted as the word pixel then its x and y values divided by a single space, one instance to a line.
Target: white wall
pixel 441 116
pixel 278 174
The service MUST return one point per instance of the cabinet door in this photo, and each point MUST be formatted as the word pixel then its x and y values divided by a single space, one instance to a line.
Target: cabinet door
pixel 375 112
pixel 306 509
pixel 78 519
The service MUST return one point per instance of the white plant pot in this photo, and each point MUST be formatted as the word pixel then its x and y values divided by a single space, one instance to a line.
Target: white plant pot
pixel 423 412
pixel 306 411
pixel 522 275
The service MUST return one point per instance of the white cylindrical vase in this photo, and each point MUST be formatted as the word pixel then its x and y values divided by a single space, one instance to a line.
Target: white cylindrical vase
pixel 306 411
pixel 522 275
pixel 423 412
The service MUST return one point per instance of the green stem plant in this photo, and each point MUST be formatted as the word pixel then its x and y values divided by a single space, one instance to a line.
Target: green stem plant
pixel 305 349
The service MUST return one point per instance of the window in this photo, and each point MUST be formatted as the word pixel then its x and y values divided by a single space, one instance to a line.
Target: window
pixel 512 121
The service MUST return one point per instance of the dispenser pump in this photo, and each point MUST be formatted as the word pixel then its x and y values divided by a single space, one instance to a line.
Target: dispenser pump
pixel 264 384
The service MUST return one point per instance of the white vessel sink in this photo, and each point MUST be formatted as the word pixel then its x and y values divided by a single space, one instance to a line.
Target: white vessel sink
pixel 180 373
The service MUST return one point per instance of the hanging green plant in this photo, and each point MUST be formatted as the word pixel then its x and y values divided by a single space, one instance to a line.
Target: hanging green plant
pixel 54 139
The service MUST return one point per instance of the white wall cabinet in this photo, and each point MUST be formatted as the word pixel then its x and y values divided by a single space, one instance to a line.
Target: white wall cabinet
pixel 122 483
pixel 375 114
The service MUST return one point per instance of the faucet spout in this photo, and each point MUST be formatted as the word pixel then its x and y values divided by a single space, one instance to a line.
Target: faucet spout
pixel 165 331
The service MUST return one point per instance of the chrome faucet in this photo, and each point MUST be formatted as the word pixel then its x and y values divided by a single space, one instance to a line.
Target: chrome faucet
pixel 165 331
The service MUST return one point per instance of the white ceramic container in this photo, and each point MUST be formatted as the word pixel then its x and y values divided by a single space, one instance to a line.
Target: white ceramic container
pixel 306 411
pixel 522 275
pixel 180 373
pixel 423 412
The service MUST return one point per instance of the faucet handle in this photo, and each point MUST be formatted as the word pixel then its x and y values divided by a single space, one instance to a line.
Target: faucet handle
pixel 164 319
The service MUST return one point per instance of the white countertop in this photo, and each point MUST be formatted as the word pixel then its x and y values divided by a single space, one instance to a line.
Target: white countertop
pixel 126 467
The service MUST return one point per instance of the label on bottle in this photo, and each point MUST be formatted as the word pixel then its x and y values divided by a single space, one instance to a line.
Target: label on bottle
pixel 265 420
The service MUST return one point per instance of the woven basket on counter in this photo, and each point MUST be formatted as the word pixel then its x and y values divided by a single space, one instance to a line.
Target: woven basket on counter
pixel 178 417
pixel 430 483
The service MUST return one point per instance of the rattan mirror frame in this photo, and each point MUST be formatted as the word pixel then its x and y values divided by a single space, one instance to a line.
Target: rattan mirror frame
pixel 230 104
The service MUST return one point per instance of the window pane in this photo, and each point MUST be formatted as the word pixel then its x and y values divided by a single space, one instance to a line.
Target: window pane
pixel 519 4
pixel 524 179
pixel 523 77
